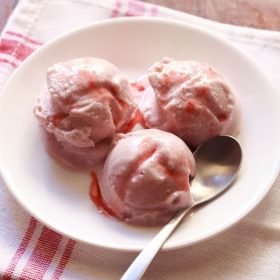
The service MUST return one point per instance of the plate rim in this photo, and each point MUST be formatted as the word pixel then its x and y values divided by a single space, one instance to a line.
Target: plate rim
pixel 175 245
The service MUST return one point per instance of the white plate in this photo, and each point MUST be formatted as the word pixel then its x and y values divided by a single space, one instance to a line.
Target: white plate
pixel 59 198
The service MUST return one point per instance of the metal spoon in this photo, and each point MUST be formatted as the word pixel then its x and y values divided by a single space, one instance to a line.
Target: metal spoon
pixel 217 163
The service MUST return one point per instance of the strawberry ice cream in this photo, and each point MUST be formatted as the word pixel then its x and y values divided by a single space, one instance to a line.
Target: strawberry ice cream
pixel 86 102
pixel 146 177
pixel 190 99
pixel 88 109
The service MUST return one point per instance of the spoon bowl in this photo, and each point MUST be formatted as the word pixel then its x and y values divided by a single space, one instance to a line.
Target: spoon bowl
pixel 218 161
pixel 217 164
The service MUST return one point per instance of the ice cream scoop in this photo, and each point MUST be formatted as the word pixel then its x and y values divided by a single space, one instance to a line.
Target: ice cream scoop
pixel 146 177
pixel 190 99
pixel 85 103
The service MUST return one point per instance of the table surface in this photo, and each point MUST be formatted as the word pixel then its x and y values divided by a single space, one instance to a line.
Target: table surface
pixel 264 14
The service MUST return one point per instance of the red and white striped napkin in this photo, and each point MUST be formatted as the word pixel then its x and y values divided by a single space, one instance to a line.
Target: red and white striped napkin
pixel 30 250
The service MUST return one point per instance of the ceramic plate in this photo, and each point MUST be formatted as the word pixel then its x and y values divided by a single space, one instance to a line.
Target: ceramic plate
pixel 59 198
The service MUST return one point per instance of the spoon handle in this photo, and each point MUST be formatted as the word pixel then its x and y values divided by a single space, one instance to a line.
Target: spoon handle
pixel 143 260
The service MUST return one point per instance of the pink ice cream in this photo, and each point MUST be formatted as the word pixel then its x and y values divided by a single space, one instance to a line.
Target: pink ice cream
pixel 86 102
pixel 190 99
pixel 146 177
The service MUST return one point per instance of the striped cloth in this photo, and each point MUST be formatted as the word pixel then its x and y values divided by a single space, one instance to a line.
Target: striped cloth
pixel 30 250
